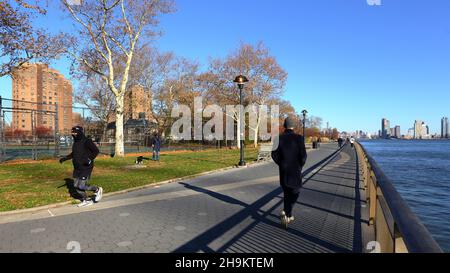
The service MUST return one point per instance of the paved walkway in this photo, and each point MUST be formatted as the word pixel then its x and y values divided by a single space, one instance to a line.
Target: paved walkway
pixel 231 211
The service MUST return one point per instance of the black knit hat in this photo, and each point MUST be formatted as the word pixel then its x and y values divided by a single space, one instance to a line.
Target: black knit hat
pixel 289 123
pixel 77 129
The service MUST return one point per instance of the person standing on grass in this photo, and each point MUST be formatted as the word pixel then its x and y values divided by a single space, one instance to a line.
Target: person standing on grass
pixel 156 145
pixel 290 155
pixel 84 151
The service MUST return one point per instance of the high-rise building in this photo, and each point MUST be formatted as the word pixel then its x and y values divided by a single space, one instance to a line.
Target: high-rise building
pixel 445 130
pixel 447 135
pixel 385 128
pixel 417 128
pixel 393 132
pixel 137 103
pixel 42 88
pixel 421 130
pixel 76 119
pixel 410 133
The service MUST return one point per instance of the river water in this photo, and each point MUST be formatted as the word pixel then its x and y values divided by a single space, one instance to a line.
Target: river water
pixel 420 171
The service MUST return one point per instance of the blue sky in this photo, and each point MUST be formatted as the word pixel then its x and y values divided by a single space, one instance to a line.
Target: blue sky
pixel 348 62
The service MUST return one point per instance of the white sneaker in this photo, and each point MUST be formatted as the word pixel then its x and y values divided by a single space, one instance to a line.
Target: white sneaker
pixel 85 203
pixel 284 219
pixel 98 194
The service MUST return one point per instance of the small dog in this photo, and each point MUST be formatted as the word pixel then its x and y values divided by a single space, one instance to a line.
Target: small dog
pixel 140 160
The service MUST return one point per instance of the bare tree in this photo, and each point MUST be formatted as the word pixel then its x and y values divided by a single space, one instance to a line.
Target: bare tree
pixel 155 71
pixel 96 96
pixel 314 122
pixel 180 86
pixel 267 81
pixel 151 67
pixel 109 33
pixel 334 134
pixel 20 41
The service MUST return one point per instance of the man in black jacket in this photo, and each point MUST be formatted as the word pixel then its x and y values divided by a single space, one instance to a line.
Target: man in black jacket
pixel 340 141
pixel 84 151
pixel 290 155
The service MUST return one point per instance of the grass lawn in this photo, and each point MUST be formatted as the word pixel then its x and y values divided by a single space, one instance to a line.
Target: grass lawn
pixel 30 184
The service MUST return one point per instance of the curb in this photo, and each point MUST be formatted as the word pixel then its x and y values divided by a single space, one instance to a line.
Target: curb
pixel 58 205
pixel 177 179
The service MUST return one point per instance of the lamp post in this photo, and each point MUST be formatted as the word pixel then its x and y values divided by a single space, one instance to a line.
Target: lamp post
pixel 241 80
pixel 304 112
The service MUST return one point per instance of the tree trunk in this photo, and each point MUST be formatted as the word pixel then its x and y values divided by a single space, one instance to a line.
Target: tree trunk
pixel 256 130
pixel 120 151
pixel 255 141
pixel 105 129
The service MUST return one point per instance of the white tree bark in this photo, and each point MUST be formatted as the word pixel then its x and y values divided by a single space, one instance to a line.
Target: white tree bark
pixel 110 39
pixel 256 131
pixel 119 147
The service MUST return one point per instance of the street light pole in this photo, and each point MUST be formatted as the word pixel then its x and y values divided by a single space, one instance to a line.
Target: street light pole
pixel 241 80
pixel 304 112
pixel 241 161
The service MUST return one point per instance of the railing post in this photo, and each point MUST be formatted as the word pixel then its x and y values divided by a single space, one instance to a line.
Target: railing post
pixel 399 243
pixel 368 178
pixel 372 199
pixel 366 172
pixel 383 234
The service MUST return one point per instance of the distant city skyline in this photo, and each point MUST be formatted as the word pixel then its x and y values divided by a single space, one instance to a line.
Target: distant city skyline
pixel 405 129
pixel 419 129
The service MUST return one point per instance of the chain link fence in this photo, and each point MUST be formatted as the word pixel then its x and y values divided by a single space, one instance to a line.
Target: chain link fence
pixel 36 131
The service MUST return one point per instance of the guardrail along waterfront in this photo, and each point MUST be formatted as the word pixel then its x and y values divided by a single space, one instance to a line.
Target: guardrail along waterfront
pixel 397 228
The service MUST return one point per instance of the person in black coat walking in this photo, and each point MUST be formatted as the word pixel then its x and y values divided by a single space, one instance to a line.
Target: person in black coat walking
pixel 290 155
pixel 84 151
pixel 340 141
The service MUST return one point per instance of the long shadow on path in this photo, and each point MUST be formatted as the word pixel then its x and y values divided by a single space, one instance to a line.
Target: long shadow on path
pixel 222 197
pixel 264 233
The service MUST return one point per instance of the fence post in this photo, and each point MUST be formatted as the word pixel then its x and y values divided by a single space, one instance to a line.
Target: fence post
pixel 3 143
pixel 33 133
pixel 2 114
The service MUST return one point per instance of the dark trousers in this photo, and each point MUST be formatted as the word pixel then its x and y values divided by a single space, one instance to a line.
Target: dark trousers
pixel 155 154
pixel 290 198
pixel 81 185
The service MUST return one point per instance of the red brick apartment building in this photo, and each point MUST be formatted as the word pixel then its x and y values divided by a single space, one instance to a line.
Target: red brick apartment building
pixel 42 88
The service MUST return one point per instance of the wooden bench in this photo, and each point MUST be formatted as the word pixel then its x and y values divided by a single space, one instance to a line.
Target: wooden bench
pixel 265 151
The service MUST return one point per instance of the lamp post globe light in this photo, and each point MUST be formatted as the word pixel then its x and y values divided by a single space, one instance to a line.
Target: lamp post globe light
pixel 304 112
pixel 241 81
